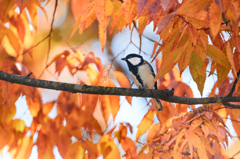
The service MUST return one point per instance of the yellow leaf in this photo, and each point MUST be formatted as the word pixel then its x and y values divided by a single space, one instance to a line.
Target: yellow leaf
pixel 18 125
pixel 192 6
pixel 217 55
pixel 230 57
pixel 169 60
pixel 222 73
pixel 117 17
pixel 108 148
pixel 197 70
pixel 145 123
pixel 75 151
pixel 24 150
pixel 215 17
pixel 185 58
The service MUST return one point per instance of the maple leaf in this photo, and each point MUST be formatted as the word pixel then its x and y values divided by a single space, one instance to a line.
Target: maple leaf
pixel 129 9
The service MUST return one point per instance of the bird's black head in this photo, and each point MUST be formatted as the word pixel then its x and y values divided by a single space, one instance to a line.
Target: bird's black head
pixel 133 60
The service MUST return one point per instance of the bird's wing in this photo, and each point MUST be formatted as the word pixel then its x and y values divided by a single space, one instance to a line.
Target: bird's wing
pixel 152 71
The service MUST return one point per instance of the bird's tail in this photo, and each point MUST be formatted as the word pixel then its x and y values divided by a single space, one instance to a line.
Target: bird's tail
pixel 158 104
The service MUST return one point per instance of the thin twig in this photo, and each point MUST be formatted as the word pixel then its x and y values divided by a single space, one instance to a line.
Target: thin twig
pixel 232 105
pixel 234 84
pixel 49 36
pixel 235 155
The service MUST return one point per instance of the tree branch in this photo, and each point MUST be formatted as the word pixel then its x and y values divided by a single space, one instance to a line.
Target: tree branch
pixel 166 95
pixel 234 84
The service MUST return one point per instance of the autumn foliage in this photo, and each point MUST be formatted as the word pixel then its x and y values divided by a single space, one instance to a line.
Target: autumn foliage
pixel 193 33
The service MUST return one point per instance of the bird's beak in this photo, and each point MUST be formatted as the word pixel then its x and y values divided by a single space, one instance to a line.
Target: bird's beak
pixel 124 59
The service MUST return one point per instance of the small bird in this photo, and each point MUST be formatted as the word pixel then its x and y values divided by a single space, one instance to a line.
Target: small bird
pixel 142 74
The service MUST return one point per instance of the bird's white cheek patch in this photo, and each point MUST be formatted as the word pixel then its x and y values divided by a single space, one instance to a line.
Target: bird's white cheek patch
pixel 134 60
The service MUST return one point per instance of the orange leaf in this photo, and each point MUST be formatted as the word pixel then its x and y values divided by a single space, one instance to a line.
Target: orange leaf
pixel 215 17
pixel 123 82
pixel 192 6
pixel 169 59
pixel 47 107
pixel 129 147
pixel 145 123
pixel 197 70
pixel 205 130
pixel 77 7
pixel 153 131
pixel 154 48
pixel 193 33
pixel 108 148
pixel 129 9
pixel 75 150
pixel 230 57
pixel 24 150
pixel 117 17
pixel 66 102
pixel 11 42
pixel 90 147
pixel 180 135
pixel 235 120
pixel 122 79
pixel 195 124
pixel 114 102
pixel 21 4
pixel 106 107
pixel 142 22
pixel 63 141
pixel 34 100
pixel 185 58
pixel 103 11
pixel 45 146
pixel 87 15
pixel 102 36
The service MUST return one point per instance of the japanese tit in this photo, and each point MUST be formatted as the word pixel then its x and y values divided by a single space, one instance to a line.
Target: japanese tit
pixel 142 74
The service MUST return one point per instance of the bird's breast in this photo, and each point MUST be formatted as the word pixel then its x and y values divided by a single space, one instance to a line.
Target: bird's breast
pixel 146 75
